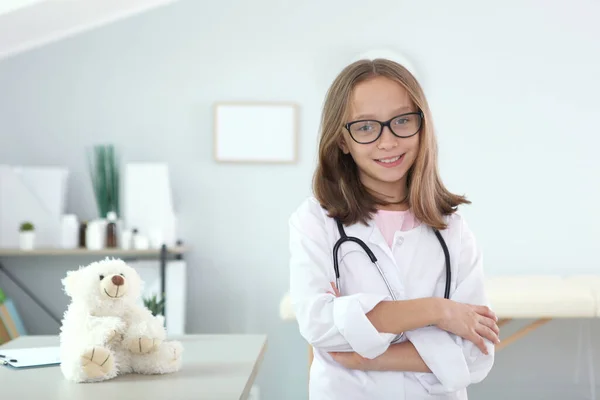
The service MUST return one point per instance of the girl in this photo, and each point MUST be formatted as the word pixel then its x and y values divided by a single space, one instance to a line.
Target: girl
pixel 377 175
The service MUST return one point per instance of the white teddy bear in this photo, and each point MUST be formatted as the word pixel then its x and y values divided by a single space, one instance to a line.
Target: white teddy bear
pixel 106 332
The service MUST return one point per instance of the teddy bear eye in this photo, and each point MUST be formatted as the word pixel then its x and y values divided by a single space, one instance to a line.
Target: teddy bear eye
pixel 101 277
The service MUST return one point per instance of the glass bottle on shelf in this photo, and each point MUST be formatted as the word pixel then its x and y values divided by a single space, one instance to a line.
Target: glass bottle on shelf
pixel 111 230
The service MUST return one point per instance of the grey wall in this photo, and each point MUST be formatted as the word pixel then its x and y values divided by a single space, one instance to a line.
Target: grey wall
pixel 514 91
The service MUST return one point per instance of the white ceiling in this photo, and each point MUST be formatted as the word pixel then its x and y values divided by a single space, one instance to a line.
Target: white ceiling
pixel 27 24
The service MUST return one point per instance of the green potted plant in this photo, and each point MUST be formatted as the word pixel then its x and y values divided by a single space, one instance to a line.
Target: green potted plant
pixel 103 165
pixel 27 236
pixel 156 307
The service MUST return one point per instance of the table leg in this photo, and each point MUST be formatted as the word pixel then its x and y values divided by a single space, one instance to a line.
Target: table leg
pixel 522 332
pixel 590 359
pixel 163 267
pixel 503 321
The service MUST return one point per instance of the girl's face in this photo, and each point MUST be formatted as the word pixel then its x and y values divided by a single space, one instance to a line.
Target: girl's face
pixel 383 164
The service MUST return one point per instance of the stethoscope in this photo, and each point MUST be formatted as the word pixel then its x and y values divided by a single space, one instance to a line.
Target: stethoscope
pixel 345 238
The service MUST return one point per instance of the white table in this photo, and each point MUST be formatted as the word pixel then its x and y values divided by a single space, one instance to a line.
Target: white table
pixel 215 367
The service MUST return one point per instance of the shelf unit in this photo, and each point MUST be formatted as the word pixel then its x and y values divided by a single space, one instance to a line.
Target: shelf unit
pixel 163 254
pixel 178 250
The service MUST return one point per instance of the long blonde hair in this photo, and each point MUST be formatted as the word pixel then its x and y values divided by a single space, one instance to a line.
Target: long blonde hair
pixel 336 182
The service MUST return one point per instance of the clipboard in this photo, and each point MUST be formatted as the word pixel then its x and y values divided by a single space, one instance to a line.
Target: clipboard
pixel 30 357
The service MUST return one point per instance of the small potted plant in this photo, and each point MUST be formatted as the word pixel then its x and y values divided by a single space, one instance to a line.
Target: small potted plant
pixel 156 307
pixel 27 236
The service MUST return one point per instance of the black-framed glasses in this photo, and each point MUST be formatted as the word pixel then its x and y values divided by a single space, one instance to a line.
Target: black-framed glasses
pixel 367 131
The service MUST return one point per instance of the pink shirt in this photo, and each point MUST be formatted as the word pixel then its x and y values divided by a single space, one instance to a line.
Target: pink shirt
pixel 389 222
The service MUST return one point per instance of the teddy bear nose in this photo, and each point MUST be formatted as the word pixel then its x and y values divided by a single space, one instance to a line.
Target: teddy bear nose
pixel 117 280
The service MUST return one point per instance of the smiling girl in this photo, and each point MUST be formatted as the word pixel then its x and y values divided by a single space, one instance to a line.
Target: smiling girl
pixel 377 176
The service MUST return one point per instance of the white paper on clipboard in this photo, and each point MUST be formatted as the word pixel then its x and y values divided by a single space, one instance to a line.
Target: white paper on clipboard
pixel 30 357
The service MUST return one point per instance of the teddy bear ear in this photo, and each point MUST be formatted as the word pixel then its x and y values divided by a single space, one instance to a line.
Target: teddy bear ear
pixel 70 282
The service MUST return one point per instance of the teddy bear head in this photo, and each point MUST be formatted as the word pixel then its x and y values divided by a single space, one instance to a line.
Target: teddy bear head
pixel 109 284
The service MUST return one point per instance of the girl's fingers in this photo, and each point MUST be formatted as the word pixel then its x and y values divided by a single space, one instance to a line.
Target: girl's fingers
pixel 336 293
pixel 485 311
pixel 490 324
pixel 487 333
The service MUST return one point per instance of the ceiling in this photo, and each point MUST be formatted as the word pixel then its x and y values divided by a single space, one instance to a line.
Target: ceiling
pixel 28 24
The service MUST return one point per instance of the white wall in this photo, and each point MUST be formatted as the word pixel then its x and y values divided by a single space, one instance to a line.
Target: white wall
pixel 11 5
pixel 513 87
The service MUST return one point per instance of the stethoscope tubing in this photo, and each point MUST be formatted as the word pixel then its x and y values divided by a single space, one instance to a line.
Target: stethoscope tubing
pixel 345 238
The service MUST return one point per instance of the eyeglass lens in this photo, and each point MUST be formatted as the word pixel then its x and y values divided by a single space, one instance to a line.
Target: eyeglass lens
pixel 368 131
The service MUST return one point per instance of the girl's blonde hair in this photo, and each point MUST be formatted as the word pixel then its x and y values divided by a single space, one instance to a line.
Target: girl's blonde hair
pixel 336 182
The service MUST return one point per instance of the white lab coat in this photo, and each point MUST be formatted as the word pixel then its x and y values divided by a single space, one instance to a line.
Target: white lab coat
pixel 415 268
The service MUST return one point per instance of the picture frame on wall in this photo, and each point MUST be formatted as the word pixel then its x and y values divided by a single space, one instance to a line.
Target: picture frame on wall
pixel 256 132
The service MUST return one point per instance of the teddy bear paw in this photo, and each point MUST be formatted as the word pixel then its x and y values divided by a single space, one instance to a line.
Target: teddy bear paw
pixel 176 356
pixel 176 351
pixel 143 345
pixel 97 362
pixel 112 336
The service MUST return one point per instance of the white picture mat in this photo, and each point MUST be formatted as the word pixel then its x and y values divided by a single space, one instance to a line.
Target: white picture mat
pixel 255 132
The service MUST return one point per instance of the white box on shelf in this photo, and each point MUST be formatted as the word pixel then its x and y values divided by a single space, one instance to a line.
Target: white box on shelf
pixel 35 194
pixel 148 203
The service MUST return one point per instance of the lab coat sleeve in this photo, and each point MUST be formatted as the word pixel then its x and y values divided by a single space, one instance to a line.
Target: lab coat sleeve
pixel 327 322
pixel 456 362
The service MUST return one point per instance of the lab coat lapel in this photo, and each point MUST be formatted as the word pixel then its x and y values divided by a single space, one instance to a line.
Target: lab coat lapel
pixel 371 235
pixel 376 238
pixel 360 231
pixel 373 238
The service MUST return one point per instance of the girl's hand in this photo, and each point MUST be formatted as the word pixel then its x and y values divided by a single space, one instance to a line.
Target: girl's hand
pixel 353 360
pixel 398 357
pixel 471 322
pixel 335 292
